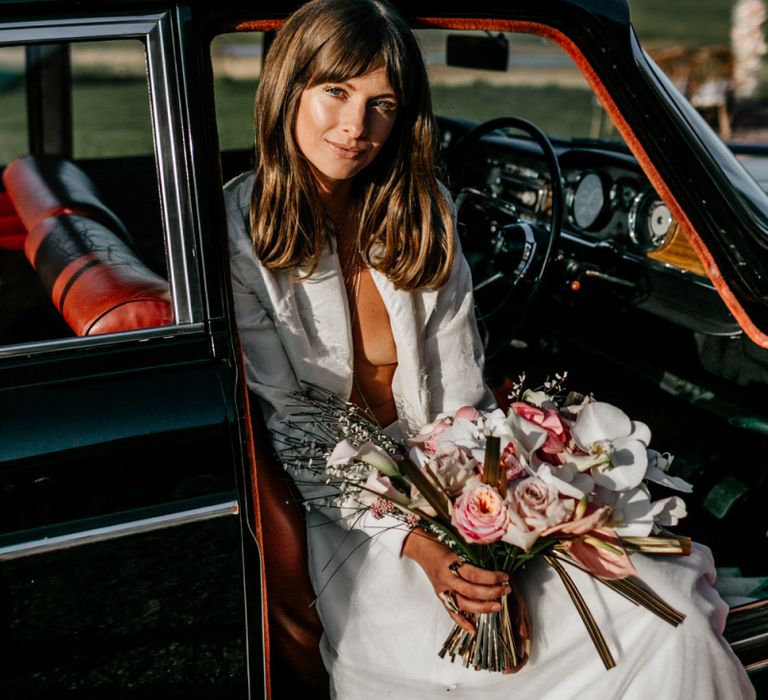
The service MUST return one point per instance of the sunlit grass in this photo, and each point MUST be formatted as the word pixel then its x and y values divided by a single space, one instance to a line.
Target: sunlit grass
pixel 693 22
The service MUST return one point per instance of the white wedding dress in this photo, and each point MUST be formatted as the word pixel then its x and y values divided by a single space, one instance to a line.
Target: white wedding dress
pixel 383 623
pixel 384 626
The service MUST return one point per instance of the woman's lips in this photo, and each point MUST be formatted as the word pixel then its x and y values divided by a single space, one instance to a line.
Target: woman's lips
pixel 347 152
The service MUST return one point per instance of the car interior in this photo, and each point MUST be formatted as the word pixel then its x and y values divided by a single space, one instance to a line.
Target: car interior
pixel 578 263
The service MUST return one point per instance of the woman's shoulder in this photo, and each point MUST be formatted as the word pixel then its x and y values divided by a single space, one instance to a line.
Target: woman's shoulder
pixel 237 193
pixel 237 202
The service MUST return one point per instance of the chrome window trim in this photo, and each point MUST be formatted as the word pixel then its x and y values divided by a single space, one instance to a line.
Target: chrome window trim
pixel 61 345
pixel 125 529
pixel 155 31
pixel 173 171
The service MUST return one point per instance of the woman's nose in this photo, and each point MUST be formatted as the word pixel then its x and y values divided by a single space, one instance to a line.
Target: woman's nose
pixel 354 119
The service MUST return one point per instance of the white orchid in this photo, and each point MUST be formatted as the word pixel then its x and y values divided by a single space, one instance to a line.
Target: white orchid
pixel 667 512
pixel 658 466
pixel 378 486
pixel 568 480
pixel 615 446
pixel 632 512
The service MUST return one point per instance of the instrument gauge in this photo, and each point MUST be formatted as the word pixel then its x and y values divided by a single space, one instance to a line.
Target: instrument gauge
pixel 587 201
pixel 623 193
pixel 650 222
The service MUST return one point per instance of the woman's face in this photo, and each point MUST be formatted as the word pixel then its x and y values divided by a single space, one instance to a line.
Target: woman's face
pixel 341 127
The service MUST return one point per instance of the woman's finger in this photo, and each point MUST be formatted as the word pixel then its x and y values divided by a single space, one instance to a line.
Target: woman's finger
pixel 473 574
pixel 451 605
pixel 476 606
pixel 462 622
pixel 474 591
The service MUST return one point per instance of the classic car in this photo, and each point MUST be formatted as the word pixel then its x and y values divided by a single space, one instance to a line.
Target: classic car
pixel 148 541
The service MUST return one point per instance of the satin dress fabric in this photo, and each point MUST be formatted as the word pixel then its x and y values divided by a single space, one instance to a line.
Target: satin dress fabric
pixel 383 623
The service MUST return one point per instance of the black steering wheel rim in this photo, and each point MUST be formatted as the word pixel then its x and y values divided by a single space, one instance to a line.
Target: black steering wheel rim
pixel 553 233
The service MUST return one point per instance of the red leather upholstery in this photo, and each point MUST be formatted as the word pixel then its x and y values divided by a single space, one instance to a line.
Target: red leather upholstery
pixel 78 247
pixel 12 231
pixel 45 186
pixel 296 668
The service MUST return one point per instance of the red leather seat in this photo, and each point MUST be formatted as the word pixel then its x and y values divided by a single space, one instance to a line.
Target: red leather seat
pixel 296 668
pixel 45 186
pixel 80 250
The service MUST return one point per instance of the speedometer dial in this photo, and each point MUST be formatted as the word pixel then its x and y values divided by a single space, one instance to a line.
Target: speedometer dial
pixel 587 200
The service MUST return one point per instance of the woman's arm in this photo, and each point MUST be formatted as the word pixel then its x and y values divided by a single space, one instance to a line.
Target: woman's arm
pixel 270 376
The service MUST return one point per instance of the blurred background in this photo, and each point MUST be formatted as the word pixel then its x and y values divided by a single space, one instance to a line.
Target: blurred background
pixel 714 51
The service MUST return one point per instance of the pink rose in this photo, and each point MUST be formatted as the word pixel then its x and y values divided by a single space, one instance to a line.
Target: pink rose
pixel 558 435
pixel 480 515
pixel 533 507
pixel 453 466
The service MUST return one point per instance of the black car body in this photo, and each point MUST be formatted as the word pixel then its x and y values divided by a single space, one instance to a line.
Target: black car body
pixel 137 528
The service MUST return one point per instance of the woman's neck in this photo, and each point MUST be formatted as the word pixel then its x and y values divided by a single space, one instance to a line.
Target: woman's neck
pixel 335 196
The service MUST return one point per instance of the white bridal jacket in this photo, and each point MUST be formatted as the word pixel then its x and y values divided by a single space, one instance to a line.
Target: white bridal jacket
pixel 383 622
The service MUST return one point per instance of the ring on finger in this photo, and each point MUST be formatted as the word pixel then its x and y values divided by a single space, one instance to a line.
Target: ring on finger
pixel 449 600
pixel 456 565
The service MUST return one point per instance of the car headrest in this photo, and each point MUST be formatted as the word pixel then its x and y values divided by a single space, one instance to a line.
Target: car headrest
pixel 94 279
pixel 44 186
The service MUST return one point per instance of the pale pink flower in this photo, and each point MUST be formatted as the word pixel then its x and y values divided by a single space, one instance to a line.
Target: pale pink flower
pixel 468 413
pixel 581 526
pixel 534 506
pixel 427 439
pixel 381 507
pixel 557 433
pixel 480 515
pixel 510 463
pixel 453 466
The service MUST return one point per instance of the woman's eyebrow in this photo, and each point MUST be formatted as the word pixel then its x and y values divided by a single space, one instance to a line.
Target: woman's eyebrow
pixel 347 85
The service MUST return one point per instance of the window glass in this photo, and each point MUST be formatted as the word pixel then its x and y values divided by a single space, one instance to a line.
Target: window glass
pixel 237 62
pixel 81 236
pixel 13 115
pixel 716 54
pixel 110 104
pixel 541 84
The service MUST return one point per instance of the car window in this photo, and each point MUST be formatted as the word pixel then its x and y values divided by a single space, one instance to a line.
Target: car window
pixel 82 249
pixel 110 104
pixel 236 62
pixel 13 115
pixel 541 83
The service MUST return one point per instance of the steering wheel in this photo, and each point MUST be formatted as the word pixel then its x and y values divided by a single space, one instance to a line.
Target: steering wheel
pixel 508 256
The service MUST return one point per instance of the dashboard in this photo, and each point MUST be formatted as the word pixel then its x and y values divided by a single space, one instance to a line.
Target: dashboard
pixel 607 197
pixel 616 229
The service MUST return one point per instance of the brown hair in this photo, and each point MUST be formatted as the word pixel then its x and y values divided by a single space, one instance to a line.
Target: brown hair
pixel 405 228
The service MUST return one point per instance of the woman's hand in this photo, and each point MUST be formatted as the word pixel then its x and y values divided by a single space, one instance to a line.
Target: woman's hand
pixel 474 590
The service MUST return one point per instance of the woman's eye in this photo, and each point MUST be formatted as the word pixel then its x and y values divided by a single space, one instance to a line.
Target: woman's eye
pixel 333 91
pixel 385 105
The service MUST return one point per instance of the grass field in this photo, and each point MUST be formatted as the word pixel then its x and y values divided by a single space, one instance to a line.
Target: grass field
pixel 694 22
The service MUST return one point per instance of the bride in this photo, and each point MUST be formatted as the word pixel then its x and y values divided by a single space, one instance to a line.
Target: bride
pixel 347 274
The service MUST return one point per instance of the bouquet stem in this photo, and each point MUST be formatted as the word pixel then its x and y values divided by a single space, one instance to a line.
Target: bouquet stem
pixel 502 641
pixel 586 616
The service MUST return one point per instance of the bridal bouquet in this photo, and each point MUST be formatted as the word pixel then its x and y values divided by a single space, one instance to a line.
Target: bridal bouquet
pixel 562 477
